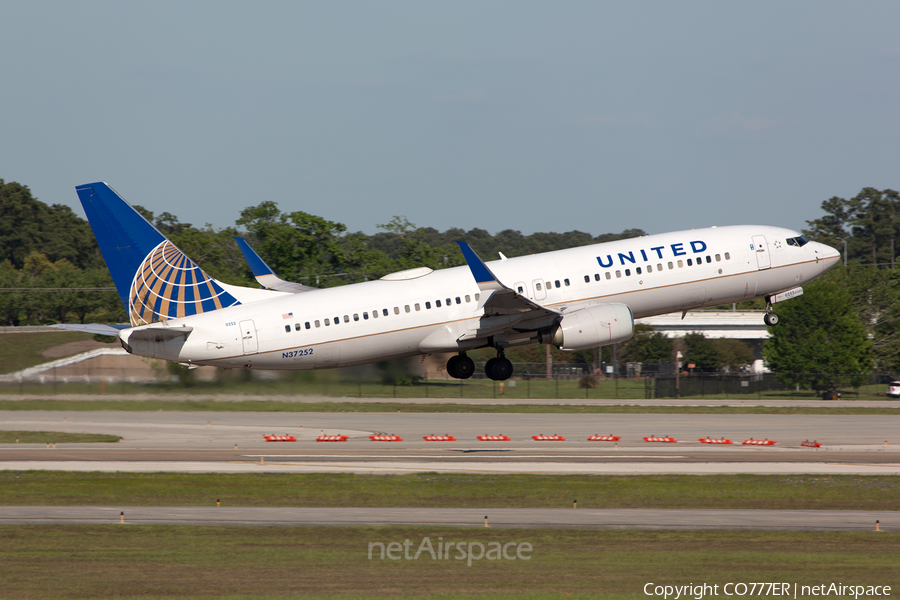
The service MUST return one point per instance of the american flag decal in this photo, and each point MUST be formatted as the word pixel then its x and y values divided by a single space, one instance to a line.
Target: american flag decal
pixel 287 315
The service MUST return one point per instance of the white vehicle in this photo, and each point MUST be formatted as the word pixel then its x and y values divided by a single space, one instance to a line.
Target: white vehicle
pixel 574 299
pixel 893 389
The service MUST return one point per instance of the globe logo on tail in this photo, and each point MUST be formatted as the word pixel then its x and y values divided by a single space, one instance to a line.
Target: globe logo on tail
pixel 168 285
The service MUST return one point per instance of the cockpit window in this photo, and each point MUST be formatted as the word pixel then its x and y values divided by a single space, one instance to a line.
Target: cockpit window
pixel 798 241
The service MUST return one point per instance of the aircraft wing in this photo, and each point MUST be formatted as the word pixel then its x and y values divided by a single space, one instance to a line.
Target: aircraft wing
pixel 498 299
pixel 264 274
pixel 96 329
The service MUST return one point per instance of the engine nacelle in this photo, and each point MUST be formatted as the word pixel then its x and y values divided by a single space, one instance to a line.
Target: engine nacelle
pixel 590 327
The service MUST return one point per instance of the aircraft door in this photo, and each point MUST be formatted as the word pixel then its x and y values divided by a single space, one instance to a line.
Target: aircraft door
pixel 761 248
pixel 539 292
pixel 248 337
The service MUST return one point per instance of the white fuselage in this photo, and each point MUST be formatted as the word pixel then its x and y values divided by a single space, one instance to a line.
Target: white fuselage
pixel 384 319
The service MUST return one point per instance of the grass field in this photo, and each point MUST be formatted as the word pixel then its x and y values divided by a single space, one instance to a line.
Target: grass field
pixel 366 407
pixel 42 488
pixel 54 437
pixel 128 561
pixel 23 350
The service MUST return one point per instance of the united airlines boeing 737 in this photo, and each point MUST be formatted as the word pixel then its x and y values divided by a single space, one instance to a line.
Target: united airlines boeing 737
pixel 573 299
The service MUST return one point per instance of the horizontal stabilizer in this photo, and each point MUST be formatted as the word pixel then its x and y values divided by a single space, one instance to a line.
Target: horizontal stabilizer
pixel 95 328
pixel 264 274
pixel 158 334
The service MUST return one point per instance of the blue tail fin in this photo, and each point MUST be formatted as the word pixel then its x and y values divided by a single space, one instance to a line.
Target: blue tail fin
pixel 155 280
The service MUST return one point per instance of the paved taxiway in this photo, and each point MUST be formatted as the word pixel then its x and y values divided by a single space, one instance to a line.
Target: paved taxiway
pixel 205 442
pixel 582 518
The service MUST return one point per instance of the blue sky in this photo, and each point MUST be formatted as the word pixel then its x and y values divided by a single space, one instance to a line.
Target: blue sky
pixel 536 116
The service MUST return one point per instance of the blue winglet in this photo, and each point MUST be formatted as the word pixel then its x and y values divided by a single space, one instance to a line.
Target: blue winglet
pixel 480 271
pixel 257 265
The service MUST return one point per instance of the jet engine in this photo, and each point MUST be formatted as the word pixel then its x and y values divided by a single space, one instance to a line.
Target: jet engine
pixel 590 327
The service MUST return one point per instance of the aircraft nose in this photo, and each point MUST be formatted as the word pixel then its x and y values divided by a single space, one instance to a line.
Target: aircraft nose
pixel 825 252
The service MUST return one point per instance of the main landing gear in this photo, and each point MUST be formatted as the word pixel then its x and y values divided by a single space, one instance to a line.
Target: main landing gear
pixel 460 366
pixel 499 368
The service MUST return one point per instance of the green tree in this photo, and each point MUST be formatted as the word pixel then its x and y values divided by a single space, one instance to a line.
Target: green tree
pixel 820 342
pixel 869 222
pixel 732 354
pixel 645 346
pixel 700 352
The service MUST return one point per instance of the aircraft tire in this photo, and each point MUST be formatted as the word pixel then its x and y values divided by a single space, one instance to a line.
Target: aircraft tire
pixel 465 367
pixel 498 369
pixel 771 319
pixel 453 367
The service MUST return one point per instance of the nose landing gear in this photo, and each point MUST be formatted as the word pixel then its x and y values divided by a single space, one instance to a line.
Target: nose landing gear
pixel 771 319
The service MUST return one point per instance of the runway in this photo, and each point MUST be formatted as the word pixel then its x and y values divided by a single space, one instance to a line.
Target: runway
pixel 233 442
pixel 581 518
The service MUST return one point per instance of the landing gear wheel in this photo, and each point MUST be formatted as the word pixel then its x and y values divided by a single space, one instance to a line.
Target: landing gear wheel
pixel 453 367
pixel 498 369
pixel 771 319
pixel 465 367
pixel 460 366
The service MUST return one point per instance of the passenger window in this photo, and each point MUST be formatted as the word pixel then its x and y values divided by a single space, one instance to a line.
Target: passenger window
pixel 566 281
pixel 337 320
pixel 549 285
pixel 467 298
pixel 396 310
pixel 659 267
pixel 418 307
pixel 406 308
pixel 680 264
pixel 375 314
pixel 519 289
pixel 587 278
pixel 317 323
pixel 627 272
pixel 428 305
pixel 287 328
pixel 708 258
pixel 727 256
pixel 649 268
pixel 718 258
pixel 596 276
pixel 637 270
pixel 365 316
pixel 449 302
pixel 477 297
pixel 608 276
pixel 384 311
pixel 538 286
pixel 689 262
pixel 671 266
pixel 437 303
pixel 458 301
pixel 356 316
pixel 296 326
pixel 618 273
pixel 307 325
pixel 327 322
pixel 346 319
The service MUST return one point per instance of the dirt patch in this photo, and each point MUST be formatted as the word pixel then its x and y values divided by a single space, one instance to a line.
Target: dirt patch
pixel 70 348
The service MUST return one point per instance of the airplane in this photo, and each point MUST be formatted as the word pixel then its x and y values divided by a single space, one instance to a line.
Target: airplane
pixel 574 299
